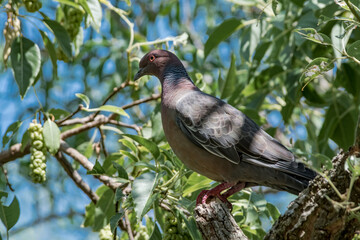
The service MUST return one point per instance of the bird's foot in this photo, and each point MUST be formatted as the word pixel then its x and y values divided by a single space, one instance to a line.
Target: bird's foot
pixel 216 192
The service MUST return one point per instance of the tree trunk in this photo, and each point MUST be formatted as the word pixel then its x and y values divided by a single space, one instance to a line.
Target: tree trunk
pixel 318 213
pixel 215 221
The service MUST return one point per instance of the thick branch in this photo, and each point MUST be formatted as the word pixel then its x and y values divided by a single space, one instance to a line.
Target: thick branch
pixel 318 212
pixel 215 222
pixel 72 152
pixel 13 153
pixel 75 176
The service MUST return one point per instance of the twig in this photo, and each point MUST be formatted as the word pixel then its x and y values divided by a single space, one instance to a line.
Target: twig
pixel 99 120
pixel 75 176
pixel 102 140
pixel 72 152
pixel 115 91
pixel 349 4
pixel 128 226
pixel 140 101
pixel 70 116
pixel 90 118
pixel 6 178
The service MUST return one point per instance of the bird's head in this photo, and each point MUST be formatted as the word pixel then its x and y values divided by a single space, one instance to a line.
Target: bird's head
pixel 156 62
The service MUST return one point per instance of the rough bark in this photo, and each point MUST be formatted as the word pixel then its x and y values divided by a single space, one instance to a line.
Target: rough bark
pixel 215 221
pixel 318 213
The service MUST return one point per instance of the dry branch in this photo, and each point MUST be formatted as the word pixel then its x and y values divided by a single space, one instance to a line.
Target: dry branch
pixel 215 222
pixel 72 152
pixel 75 176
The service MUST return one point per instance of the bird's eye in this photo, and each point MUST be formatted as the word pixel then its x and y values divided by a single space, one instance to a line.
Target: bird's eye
pixel 152 58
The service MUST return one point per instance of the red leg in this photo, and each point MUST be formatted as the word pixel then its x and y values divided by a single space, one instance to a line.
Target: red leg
pixel 205 194
pixel 234 189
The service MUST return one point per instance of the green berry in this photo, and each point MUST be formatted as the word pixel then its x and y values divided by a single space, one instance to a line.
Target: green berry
pixel 37 159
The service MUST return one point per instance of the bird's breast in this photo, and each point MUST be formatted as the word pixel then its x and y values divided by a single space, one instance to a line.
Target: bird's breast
pixel 194 157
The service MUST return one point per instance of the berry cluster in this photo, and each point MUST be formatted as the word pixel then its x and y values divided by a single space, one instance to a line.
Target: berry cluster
pixel 32 5
pixel 174 229
pixel 38 151
pixel 141 233
pixel 73 19
pixel 106 234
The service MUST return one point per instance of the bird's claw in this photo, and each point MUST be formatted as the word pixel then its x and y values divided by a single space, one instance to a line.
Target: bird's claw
pixel 205 194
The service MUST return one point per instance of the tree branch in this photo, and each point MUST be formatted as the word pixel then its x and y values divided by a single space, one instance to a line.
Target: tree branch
pixel 90 118
pixel 215 221
pixel 140 101
pixel 13 153
pixel 99 120
pixel 72 152
pixel 318 212
pixel 128 226
pixel 75 176
pixel 70 116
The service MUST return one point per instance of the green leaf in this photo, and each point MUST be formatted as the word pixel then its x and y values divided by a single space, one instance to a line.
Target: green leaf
pixel 25 140
pixel 354 49
pixel 58 113
pixel 196 182
pixel 147 165
pixel 108 108
pixel 151 146
pixel 25 62
pixel 121 171
pixel 51 134
pixel 222 32
pixel 129 155
pixel 142 188
pixel 61 36
pixel 118 194
pixel 96 13
pixel 85 99
pixel 114 220
pixel 230 81
pixel 11 131
pixel 156 234
pixel 97 169
pixel 128 144
pixel 86 149
pixel 51 51
pixel 191 226
pixel 340 123
pixel 105 209
pixel 312 35
pixel 9 215
pixel 108 163
pixel 274 212
pixel 114 109
pixel 315 68
pixel 89 215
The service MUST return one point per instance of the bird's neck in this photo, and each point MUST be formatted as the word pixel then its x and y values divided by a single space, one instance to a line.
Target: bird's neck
pixel 175 83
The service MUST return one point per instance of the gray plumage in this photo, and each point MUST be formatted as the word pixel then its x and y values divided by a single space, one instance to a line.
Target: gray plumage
pixel 215 139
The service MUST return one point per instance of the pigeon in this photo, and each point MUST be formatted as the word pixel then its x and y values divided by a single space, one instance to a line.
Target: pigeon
pixel 217 140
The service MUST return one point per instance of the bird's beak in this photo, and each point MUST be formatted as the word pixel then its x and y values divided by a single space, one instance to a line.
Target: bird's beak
pixel 139 74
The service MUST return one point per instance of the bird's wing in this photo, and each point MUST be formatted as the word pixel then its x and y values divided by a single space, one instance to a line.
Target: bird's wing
pixel 225 131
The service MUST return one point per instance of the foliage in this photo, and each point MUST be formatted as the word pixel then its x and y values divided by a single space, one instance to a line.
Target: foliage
pixel 297 58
